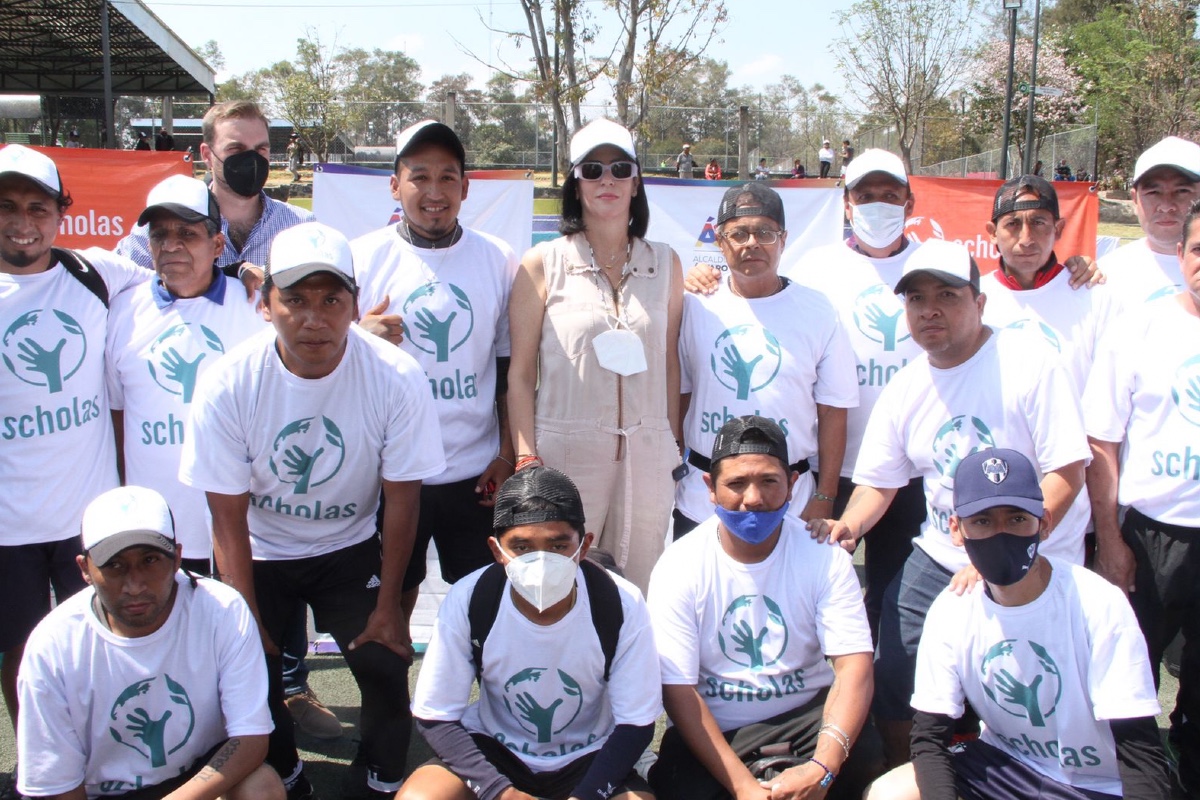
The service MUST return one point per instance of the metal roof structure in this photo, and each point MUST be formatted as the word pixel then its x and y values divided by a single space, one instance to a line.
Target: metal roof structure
pixel 57 47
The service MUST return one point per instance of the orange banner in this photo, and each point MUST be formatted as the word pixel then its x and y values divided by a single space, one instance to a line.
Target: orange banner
pixel 958 208
pixel 109 189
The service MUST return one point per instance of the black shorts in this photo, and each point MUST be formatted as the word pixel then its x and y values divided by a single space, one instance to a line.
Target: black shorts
pixel 161 790
pixel 453 519
pixel 553 785
pixel 27 573
pixel 983 772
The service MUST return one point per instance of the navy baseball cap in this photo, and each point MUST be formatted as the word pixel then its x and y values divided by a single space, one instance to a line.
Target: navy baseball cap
pixel 996 477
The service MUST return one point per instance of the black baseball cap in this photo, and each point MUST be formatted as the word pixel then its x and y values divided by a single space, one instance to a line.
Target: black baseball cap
pixel 750 435
pixel 557 500
pixel 751 200
pixel 996 477
pixel 426 131
pixel 1006 201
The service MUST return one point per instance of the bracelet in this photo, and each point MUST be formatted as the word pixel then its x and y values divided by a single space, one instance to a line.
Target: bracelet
pixel 829 776
pixel 822 497
pixel 505 460
pixel 527 459
pixel 845 745
pixel 834 727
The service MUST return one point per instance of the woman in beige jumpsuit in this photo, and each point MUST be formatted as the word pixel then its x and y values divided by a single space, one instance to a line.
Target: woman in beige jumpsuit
pixel 596 315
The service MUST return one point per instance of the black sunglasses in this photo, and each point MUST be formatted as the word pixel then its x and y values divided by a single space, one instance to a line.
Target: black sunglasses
pixel 594 170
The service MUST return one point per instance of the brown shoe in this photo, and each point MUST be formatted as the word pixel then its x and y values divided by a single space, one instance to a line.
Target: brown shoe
pixel 312 717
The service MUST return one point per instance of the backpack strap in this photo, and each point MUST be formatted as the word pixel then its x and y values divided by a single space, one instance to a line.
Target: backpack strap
pixel 74 262
pixel 603 596
pixel 482 610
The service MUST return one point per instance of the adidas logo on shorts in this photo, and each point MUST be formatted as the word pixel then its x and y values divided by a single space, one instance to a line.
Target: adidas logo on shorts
pixel 374 583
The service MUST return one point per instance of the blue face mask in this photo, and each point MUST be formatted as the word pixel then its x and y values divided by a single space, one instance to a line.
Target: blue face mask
pixel 751 526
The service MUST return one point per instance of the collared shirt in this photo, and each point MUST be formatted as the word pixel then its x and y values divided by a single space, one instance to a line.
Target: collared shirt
pixel 276 217
pixel 163 297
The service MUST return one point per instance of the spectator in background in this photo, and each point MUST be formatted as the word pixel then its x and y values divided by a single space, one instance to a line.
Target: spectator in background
pixel 713 171
pixel 762 172
pixel 73 139
pixel 142 142
pixel 826 156
pixel 295 154
pixel 847 154
pixel 798 170
pixel 164 141
pixel 685 162
pixel 1063 171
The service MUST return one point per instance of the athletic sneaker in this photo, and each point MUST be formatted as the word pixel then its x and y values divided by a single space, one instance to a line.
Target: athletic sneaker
pixel 301 789
pixel 312 717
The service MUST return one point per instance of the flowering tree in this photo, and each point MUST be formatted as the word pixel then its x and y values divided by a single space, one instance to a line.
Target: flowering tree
pixel 1051 112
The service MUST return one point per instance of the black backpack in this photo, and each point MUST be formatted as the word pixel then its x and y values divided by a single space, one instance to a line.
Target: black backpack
pixel 84 272
pixel 605 599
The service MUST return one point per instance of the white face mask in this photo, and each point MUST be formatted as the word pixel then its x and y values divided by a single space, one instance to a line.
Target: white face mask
pixel 620 351
pixel 541 577
pixel 877 224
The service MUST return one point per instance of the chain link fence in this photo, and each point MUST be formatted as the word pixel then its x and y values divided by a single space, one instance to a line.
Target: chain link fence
pixel 1075 148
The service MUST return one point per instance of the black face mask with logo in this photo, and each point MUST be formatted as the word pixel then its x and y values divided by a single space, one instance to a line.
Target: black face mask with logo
pixel 1003 558
pixel 246 172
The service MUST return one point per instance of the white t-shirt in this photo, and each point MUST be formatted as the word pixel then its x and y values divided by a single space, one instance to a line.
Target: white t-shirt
pixel 311 452
pixel 114 714
pixel 777 357
pixel 154 357
pixel 861 289
pixel 1013 393
pixel 58 451
pixel 454 306
pixel 1145 391
pixel 1045 677
pixel 1136 274
pixel 753 638
pixel 825 154
pixel 530 668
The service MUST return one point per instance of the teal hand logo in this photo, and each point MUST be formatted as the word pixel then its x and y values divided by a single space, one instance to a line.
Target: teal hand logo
pixel 175 357
pixel 153 718
pixel 306 454
pixel 955 440
pixel 1022 679
pixel 44 348
pixel 542 701
pixel 1185 390
pixel 431 319
pixel 879 316
pixel 746 358
pixel 753 632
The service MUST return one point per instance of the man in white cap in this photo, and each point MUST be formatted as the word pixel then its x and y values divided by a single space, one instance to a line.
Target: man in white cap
pixel 150 683
pixel 685 162
pixel 825 155
pixel 1166 181
pixel 162 336
pixel 53 317
pixel 302 427
pixel 975 387
pixel 440 291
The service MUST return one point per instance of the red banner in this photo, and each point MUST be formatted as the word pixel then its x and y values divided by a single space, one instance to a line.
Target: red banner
pixel 958 208
pixel 109 189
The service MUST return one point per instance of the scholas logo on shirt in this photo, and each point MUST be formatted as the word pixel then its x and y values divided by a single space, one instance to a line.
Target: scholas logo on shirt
pixel 753 632
pixel 44 348
pixel 879 316
pixel 437 320
pixel 154 718
pixel 543 701
pixel 307 453
pixel 958 438
pixel 175 356
pixel 1185 389
pixel 746 358
pixel 1022 679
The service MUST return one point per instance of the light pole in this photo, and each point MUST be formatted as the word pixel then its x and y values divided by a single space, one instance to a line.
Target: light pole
pixel 1011 6
pixel 1037 23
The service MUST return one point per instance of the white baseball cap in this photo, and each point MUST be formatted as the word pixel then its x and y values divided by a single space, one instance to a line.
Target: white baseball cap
pixel 307 249
pixel 429 130
pixel 185 197
pixel 598 133
pixel 948 262
pixel 128 516
pixel 1173 152
pixel 875 160
pixel 16 159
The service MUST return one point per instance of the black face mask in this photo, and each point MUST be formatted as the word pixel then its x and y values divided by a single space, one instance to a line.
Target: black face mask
pixel 246 172
pixel 1003 558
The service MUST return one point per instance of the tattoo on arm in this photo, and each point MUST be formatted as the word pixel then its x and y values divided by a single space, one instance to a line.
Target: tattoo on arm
pixel 212 769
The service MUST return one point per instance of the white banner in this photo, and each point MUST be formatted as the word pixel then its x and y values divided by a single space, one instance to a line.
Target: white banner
pixel 684 214
pixel 358 200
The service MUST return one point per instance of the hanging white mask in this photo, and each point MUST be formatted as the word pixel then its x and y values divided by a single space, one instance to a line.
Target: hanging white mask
pixel 541 577
pixel 877 224
pixel 621 351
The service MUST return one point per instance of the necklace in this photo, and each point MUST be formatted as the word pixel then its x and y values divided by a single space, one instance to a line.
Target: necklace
pixel 417 240
pixel 612 261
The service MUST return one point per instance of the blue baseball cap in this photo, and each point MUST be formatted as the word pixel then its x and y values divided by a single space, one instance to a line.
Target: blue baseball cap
pixel 996 477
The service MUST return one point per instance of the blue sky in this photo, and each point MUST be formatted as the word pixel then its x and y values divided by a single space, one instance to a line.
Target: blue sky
pixel 763 39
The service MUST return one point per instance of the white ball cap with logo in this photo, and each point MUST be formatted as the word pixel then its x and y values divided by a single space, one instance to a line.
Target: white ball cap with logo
pixel 28 163
pixel 186 197
pixel 598 133
pixel 128 516
pixel 306 249
pixel 875 160
pixel 1178 154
